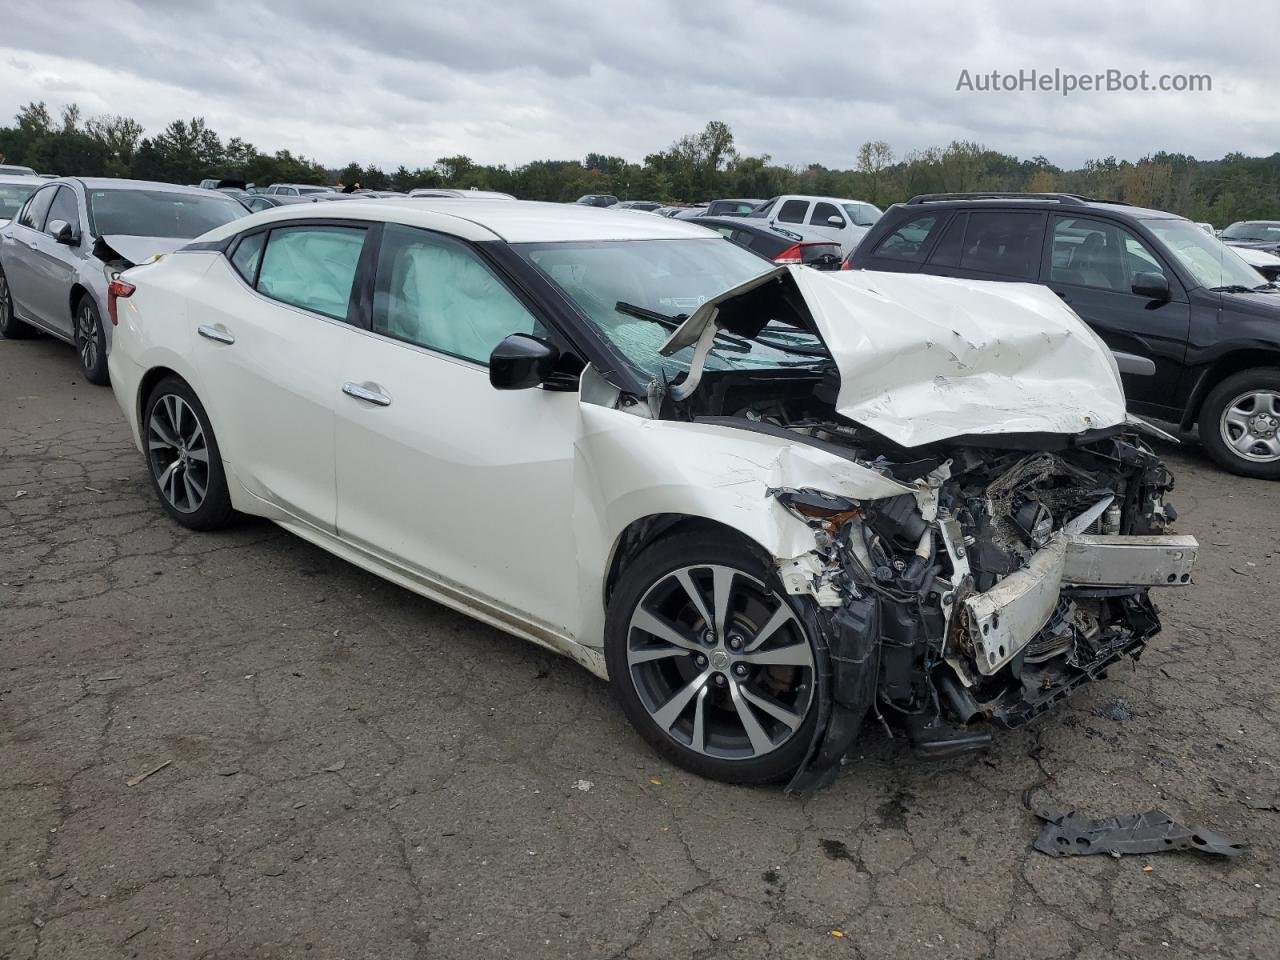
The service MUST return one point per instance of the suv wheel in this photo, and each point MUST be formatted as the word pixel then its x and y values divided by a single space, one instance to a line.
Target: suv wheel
pixel 1240 423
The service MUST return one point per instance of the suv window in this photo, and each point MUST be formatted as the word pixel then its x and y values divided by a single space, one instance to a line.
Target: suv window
pixel 793 211
pixel 64 207
pixel 1095 253
pixel 1004 243
pixel 821 211
pixel 435 292
pixel 34 213
pixel 909 240
pixel 312 267
pixel 946 253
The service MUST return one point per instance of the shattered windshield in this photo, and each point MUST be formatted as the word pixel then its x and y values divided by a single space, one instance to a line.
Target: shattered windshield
pixel 666 280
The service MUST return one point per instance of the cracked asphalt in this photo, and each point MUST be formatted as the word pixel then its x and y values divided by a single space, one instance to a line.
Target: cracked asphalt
pixel 352 771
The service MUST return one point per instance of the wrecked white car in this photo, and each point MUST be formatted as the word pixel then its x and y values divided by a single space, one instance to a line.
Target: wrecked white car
pixel 766 505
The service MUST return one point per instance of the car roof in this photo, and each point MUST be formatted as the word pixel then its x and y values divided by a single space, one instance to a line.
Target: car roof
pixel 763 227
pixel 1238 223
pixel 112 183
pixel 23 178
pixel 515 221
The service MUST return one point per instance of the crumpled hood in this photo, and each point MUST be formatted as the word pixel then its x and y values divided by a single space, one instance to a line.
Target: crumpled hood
pixel 925 358
pixel 141 249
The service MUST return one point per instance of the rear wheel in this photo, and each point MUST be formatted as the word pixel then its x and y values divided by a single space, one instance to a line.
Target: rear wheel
pixel 710 660
pixel 91 341
pixel 10 326
pixel 183 458
pixel 1240 423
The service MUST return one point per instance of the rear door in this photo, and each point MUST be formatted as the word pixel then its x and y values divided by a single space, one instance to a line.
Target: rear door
pixel 267 337
pixel 990 245
pixel 1091 264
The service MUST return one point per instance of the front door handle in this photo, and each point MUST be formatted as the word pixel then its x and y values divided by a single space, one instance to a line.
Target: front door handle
pixel 219 333
pixel 368 392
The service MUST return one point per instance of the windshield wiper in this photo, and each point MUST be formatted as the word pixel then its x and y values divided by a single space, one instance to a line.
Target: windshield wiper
pixel 1232 288
pixel 674 323
pixel 797 348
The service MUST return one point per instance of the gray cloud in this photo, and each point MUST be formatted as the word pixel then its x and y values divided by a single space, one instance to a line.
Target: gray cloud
pixel 506 82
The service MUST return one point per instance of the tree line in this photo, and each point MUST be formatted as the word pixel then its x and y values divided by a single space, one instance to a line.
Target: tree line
pixel 696 167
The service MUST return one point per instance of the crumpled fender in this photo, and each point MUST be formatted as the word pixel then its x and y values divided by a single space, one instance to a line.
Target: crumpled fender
pixel 627 468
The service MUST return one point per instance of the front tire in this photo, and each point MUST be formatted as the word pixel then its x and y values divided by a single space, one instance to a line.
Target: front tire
pixel 11 328
pixel 710 660
pixel 91 341
pixel 183 458
pixel 1240 423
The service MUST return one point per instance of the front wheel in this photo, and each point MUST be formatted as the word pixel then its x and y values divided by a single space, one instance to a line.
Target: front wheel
pixel 711 662
pixel 91 341
pixel 1240 423
pixel 183 458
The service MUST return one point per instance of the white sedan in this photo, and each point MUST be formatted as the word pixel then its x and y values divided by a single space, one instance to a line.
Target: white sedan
pixel 764 503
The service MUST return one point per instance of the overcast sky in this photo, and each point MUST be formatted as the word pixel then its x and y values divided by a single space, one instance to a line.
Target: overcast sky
pixel 508 81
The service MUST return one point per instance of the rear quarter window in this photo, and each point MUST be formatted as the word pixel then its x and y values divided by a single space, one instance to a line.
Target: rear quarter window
pixel 910 240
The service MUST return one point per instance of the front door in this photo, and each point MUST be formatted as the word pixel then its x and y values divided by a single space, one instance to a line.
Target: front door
pixel 1092 266
pixel 54 265
pixel 430 457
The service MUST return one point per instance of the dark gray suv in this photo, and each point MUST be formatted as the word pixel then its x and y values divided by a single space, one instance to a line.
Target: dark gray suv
pixel 1193 327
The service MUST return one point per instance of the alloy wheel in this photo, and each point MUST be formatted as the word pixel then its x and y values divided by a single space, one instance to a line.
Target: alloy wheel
pixel 5 305
pixel 87 335
pixel 1250 426
pixel 720 662
pixel 178 453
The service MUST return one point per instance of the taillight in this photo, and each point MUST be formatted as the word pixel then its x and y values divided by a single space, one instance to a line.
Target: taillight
pixel 115 289
pixel 846 265
pixel 790 255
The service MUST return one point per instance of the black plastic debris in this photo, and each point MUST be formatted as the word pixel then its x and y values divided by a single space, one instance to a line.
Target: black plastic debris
pixel 1071 835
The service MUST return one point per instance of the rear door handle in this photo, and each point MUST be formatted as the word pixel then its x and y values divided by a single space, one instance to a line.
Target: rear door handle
pixel 219 333
pixel 368 392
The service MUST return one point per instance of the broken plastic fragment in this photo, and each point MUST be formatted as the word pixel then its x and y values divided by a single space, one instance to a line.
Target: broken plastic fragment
pixel 1069 834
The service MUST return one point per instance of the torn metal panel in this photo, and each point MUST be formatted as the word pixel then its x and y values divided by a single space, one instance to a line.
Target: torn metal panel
pixel 1068 834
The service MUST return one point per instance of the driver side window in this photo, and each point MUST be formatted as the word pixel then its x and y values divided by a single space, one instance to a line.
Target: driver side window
pixel 435 292
pixel 1094 253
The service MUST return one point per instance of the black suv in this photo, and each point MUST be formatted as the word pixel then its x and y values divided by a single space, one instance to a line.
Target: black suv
pixel 1194 329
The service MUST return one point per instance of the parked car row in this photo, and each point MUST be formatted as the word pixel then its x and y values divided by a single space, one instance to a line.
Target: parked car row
pixel 750 495
pixel 71 236
pixel 1193 328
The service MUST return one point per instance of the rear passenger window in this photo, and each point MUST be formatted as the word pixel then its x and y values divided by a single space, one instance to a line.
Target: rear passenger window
pixel 793 211
pixel 435 292
pixel 947 251
pixel 822 212
pixel 312 267
pixel 1003 243
pixel 33 214
pixel 248 253
pixel 909 240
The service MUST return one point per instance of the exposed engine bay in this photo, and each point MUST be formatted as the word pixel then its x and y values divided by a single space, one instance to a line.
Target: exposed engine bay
pixel 1017 568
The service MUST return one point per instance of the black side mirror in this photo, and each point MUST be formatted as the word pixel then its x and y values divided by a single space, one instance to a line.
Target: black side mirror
pixel 522 361
pixel 63 232
pixel 1153 286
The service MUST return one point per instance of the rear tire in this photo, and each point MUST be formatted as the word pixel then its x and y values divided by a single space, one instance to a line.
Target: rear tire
pixel 736 702
pixel 183 459
pixel 90 341
pixel 11 328
pixel 1239 423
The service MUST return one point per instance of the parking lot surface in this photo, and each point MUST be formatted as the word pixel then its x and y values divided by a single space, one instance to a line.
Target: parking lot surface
pixel 352 771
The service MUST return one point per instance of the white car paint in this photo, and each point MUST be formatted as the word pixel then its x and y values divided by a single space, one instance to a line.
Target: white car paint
pixel 1257 258
pixel 414 491
pixel 925 358
pixel 814 214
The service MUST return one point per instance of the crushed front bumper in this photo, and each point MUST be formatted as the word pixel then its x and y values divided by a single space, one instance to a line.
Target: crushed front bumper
pixel 1003 620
